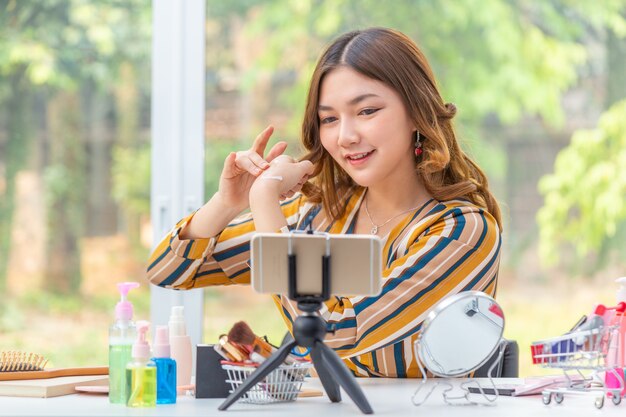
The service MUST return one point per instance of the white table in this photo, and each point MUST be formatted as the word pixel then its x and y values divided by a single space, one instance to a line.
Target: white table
pixel 388 397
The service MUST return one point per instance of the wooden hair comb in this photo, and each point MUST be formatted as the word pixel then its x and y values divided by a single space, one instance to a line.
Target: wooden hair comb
pixel 22 365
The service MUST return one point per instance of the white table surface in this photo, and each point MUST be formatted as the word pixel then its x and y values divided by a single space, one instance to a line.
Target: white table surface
pixel 388 397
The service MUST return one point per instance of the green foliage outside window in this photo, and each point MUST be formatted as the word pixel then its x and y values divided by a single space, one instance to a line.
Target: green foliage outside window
pixel 585 197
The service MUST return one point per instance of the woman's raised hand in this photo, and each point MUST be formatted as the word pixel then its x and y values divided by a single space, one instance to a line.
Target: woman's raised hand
pixel 289 174
pixel 242 168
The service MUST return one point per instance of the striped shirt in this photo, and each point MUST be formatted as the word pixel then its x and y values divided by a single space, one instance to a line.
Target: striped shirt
pixel 442 248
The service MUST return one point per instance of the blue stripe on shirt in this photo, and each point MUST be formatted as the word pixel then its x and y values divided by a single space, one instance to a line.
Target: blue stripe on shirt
pixel 187 250
pixel 209 272
pixel 362 367
pixel 234 251
pixel 374 361
pixel 177 273
pixel 489 264
pixel 160 258
pixel 347 323
pixel 398 354
pixel 309 217
pixel 389 257
pixel 408 273
pixel 237 273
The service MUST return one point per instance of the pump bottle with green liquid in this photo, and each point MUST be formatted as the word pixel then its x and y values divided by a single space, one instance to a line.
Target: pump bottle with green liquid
pixel 122 334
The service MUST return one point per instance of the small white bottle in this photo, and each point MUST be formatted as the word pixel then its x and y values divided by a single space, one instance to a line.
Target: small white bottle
pixel 180 345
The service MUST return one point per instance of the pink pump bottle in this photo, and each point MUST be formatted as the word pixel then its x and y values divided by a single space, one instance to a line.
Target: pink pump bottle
pixel 141 372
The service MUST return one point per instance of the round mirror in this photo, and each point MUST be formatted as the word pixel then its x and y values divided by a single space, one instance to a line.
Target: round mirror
pixel 460 334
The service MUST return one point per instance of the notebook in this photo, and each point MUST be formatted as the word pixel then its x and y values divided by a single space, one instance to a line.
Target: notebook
pixel 53 387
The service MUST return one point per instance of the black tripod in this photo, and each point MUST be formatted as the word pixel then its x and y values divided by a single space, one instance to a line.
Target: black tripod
pixel 309 331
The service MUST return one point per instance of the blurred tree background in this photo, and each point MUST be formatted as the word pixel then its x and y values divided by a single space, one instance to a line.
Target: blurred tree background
pixel 74 100
pixel 540 87
pixel 524 75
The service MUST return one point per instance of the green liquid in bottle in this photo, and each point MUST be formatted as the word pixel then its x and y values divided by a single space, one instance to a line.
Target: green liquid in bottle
pixel 119 356
pixel 141 386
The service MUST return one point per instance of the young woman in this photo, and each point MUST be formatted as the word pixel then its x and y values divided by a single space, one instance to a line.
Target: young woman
pixel 382 158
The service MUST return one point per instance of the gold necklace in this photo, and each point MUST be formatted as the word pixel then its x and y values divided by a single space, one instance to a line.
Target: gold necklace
pixel 375 227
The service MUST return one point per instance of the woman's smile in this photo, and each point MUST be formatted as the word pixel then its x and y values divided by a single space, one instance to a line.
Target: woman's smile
pixel 357 159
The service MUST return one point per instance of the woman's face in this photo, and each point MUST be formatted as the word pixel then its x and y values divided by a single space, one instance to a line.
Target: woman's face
pixel 365 127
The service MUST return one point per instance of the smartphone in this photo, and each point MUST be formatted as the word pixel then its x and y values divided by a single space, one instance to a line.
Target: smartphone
pixel 355 263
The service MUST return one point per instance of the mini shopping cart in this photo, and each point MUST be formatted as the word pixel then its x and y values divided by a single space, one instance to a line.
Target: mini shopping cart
pixel 582 355
pixel 281 385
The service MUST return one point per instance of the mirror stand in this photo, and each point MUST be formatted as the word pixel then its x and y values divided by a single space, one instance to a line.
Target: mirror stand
pixel 459 399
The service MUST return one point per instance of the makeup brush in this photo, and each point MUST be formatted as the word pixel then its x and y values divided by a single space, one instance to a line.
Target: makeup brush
pixel 235 351
pixel 242 333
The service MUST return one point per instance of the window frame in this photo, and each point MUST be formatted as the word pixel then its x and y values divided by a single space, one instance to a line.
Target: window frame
pixel 177 126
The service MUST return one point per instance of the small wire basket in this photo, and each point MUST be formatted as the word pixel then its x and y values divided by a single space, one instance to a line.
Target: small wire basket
pixel 281 385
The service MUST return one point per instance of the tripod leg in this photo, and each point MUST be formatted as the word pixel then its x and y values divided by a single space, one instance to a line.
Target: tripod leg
pixel 262 371
pixel 330 384
pixel 345 378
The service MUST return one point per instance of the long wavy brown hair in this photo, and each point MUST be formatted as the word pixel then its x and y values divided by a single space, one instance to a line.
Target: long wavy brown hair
pixel 394 59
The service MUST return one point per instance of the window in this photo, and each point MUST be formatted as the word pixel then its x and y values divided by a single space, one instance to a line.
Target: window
pixel 74 172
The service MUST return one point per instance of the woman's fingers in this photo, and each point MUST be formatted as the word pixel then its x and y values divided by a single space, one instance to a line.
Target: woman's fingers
pixel 303 180
pixel 276 150
pixel 230 166
pixel 283 159
pixel 260 142
pixel 258 161
pixel 244 162
pixel 258 149
pixel 306 166
pixel 251 161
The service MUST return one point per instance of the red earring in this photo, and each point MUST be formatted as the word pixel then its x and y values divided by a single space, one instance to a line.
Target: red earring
pixel 418 145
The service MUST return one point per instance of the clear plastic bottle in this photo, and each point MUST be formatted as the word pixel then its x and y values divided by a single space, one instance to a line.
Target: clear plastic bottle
pixel 180 344
pixel 166 367
pixel 141 382
pixel 121 336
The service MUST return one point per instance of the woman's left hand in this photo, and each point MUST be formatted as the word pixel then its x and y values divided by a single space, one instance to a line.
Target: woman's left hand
pixel 287 174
